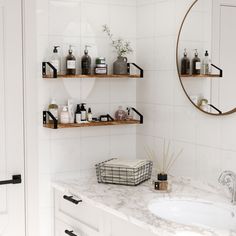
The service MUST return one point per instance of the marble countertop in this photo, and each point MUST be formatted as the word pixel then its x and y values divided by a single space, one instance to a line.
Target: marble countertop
pixel 131 203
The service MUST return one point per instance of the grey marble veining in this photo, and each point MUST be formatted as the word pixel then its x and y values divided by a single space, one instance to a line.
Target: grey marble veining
pixel 131 203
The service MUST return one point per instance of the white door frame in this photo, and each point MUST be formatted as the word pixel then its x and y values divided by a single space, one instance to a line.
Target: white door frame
pixel 30 117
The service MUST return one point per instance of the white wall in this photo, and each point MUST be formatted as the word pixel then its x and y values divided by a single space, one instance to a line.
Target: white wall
pixel 209 142
pixel 68 152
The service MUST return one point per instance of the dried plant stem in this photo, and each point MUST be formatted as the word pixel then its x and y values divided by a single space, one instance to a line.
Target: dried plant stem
pixel 173 162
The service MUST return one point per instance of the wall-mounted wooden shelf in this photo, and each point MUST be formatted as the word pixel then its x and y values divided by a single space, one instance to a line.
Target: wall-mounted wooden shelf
pixel 93 124
pixel 201 76
pixel 92 76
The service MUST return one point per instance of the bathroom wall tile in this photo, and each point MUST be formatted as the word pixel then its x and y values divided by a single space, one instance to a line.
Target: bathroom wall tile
pixel 126 147
pixel 143 143
pixel 66 155
pixel 146 21
pixel 184 124
pixel 44 156
pixel 45 191
pixel 94 16
pixel 46 221
pixel 64 18
pixel 227 160
pixel 208 164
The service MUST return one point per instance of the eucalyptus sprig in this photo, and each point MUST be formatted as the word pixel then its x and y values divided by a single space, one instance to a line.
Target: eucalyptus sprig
pixel 122 47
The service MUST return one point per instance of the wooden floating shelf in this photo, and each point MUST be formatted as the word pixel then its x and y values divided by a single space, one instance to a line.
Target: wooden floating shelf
pixel 92 76
pixel 93 124
pixel 201 76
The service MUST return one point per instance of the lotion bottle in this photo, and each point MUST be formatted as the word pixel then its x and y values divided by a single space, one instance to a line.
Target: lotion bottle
pixel 70 63
pixel 78 115
pixel 65 118
pixel 207 64
pixel 56 59
pixel 196 63
pixel 71 110
pixel 86 62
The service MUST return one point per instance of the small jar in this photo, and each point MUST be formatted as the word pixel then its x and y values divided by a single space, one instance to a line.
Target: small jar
pixel 101 66
pixel 162 182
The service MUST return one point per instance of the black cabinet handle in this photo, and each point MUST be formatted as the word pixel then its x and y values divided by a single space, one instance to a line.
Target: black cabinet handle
pixel 16 179
pixel 71 199
pixel 70 233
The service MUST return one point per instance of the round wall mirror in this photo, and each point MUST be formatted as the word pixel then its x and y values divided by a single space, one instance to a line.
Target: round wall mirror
pixel 206 56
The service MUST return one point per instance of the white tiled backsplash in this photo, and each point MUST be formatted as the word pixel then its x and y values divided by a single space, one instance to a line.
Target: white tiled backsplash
pixel 152 26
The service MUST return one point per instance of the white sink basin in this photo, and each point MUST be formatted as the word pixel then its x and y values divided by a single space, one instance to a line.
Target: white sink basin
pixel 195 213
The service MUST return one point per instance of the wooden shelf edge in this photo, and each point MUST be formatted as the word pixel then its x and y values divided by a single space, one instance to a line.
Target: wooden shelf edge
pixel 92 76
pixel 200 76
pixel 93 124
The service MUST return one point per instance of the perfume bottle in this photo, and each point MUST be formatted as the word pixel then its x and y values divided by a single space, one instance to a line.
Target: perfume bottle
pixel 120 114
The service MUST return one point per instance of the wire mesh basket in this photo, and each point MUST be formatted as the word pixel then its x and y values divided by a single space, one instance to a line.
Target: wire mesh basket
pixel 122 175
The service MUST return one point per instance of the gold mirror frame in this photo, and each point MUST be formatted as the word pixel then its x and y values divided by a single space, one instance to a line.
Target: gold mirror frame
pixel 178 69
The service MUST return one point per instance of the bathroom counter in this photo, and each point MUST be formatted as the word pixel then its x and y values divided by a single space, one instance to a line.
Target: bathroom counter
pixel 131 203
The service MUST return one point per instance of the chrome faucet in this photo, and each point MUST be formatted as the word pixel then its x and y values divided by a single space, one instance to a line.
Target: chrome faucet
pixel 228 178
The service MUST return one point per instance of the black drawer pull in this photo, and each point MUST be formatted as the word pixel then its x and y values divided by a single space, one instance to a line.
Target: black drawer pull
pixel 70 233
pixel 16 179
pixel 71 199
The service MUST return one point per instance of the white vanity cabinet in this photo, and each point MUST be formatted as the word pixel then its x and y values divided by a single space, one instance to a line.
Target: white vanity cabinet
pixel 84 219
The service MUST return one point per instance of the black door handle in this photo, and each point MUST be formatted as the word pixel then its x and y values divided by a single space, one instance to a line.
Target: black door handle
pixel 16 179
pixel 71 199
pixel 70 233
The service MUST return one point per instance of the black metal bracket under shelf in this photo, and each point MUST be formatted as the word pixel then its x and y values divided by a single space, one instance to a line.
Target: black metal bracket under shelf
pixel 219 69
pixel 44 69
pixel 140 69
pixel 47 114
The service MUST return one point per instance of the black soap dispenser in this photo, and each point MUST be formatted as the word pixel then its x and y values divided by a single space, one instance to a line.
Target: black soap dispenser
pixel 196 63
pixel 185 64
pixel 70 63
pixel 86 62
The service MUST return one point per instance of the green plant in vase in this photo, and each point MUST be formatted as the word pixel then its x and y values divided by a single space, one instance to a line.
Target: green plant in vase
pixel 122 48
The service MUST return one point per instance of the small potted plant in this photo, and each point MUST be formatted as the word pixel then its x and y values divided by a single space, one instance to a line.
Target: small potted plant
pixel 122 48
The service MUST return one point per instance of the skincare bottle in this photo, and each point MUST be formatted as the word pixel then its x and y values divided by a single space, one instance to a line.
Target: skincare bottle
pixel 71 110
pixel 78 115
pixel 56 59
pixel 196 64
pixel 162 182
pixel 83 113
pixel 86 62
pixel 70 63
pixel 65 118
pixel 53 108
pixel 90 115
pixel 207 64
pixel 185 64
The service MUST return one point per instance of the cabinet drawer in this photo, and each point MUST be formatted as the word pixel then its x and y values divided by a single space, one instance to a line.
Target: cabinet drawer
pixel 67 208
pixel 62 229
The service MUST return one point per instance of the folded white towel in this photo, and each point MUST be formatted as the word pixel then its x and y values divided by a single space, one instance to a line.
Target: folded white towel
pixel 122 163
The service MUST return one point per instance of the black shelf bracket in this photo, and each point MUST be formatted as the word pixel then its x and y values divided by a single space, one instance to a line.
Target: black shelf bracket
pixel 139 114
pixel 44 69
pixel 46 115
pixel 215 108
pixel 140 69
pixel 219 69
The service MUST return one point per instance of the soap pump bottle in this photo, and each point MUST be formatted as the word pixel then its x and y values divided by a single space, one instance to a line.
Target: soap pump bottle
pixel 207 64
pixel 196 64
pixel 65 117
pixel 70 62
pixel 86 62
pixel 185 64
pixel 56 59
pixel 83 112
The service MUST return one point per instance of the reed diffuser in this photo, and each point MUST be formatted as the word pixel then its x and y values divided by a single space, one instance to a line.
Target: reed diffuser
pixel 164 165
